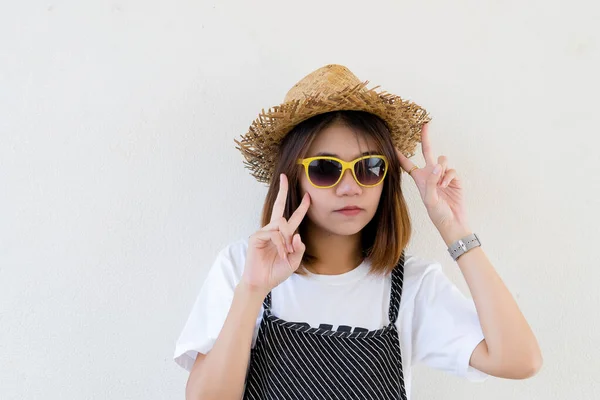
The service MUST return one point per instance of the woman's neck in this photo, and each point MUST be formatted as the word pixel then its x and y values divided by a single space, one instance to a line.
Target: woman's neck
pixel 336 254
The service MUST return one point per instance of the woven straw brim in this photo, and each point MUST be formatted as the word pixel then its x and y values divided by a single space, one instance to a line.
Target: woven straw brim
pixel 259 145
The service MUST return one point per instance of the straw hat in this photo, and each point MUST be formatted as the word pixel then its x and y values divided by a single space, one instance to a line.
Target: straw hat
pixel 329 88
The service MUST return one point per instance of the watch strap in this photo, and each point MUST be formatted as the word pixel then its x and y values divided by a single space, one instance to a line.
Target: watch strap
pixel 461 246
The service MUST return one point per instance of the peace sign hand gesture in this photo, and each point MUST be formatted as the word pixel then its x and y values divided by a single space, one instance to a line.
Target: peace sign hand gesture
pixel 274 252
pixel 442 193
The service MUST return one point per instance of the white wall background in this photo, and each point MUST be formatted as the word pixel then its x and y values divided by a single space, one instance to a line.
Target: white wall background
pixel 119 180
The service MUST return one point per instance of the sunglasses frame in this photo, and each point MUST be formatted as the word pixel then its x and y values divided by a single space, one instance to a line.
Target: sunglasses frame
pixel 345 165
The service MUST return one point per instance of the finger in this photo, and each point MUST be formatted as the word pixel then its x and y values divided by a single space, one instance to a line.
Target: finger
pixel 281 247
pixel 405 162
pixel 443 161
pixel 300 213
pixel 426 145
pixel 281 226
pixel 296 258
pixel 450 175
pixel 273 225
pixel 286 237
pixel 298 244
pixel 431 195
pixel 279 205
pixel 272 236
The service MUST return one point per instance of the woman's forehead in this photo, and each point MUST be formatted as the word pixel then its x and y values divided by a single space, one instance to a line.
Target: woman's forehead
pixel 342 142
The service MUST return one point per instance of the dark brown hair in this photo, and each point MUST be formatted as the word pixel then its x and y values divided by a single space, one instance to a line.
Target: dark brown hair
pixel 385 237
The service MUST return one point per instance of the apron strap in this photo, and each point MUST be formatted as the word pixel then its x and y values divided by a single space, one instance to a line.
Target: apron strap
pixel 396 292
pixel 267 302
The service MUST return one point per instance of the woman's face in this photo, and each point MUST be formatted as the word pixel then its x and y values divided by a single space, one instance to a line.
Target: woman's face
pixel 342 142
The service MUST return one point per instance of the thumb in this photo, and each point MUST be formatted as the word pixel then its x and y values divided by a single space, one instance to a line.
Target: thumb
pixel 431 197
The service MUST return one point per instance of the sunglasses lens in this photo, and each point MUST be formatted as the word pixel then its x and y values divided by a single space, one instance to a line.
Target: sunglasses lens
pixel 324 172
pixel 370 171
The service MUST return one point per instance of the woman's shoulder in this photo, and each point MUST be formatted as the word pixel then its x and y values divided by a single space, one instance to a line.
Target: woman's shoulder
pixel 230 259
pixel 235 249
pixel 416 266
pixel 417 269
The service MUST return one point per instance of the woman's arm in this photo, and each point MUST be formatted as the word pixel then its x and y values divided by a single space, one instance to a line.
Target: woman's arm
pixel 221 373
pixel 510 349
pixel 274 253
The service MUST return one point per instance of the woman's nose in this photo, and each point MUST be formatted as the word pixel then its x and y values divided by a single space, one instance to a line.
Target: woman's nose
pixel 348 184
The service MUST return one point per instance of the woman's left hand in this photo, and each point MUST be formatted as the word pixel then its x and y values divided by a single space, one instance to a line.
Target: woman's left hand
pixel 442 194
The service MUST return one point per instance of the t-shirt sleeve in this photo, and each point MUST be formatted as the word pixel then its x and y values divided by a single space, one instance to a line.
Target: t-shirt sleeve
pixel 446 327
pixel 210 308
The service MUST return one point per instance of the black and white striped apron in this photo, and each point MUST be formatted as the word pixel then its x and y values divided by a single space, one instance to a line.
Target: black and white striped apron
pixel 296 361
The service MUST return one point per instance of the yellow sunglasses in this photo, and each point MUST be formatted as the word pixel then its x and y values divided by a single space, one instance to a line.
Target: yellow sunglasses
pixel 325 171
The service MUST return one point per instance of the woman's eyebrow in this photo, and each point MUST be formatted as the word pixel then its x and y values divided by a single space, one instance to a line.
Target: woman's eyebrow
pixel 335 155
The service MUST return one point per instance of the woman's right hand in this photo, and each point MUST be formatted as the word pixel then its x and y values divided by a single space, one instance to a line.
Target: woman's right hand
pixel 274 252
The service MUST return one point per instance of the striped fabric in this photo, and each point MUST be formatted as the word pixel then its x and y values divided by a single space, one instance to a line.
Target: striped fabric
pixel 295 361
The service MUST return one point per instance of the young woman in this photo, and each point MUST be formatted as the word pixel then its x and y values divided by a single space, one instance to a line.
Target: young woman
pixel 322 302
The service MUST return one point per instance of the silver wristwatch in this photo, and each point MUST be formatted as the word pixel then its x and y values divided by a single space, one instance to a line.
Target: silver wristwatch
pixel 461 246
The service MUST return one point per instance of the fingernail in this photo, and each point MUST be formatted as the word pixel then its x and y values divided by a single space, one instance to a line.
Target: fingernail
pixel 437 169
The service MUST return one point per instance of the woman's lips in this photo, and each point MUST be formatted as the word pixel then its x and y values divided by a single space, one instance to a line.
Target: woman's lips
pixel 349 212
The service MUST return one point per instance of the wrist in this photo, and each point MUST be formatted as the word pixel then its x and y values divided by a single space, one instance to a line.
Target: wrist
pixel 251 292
pixel 451 234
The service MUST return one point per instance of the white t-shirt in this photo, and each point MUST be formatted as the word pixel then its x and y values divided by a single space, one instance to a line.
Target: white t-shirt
pixel 438 325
